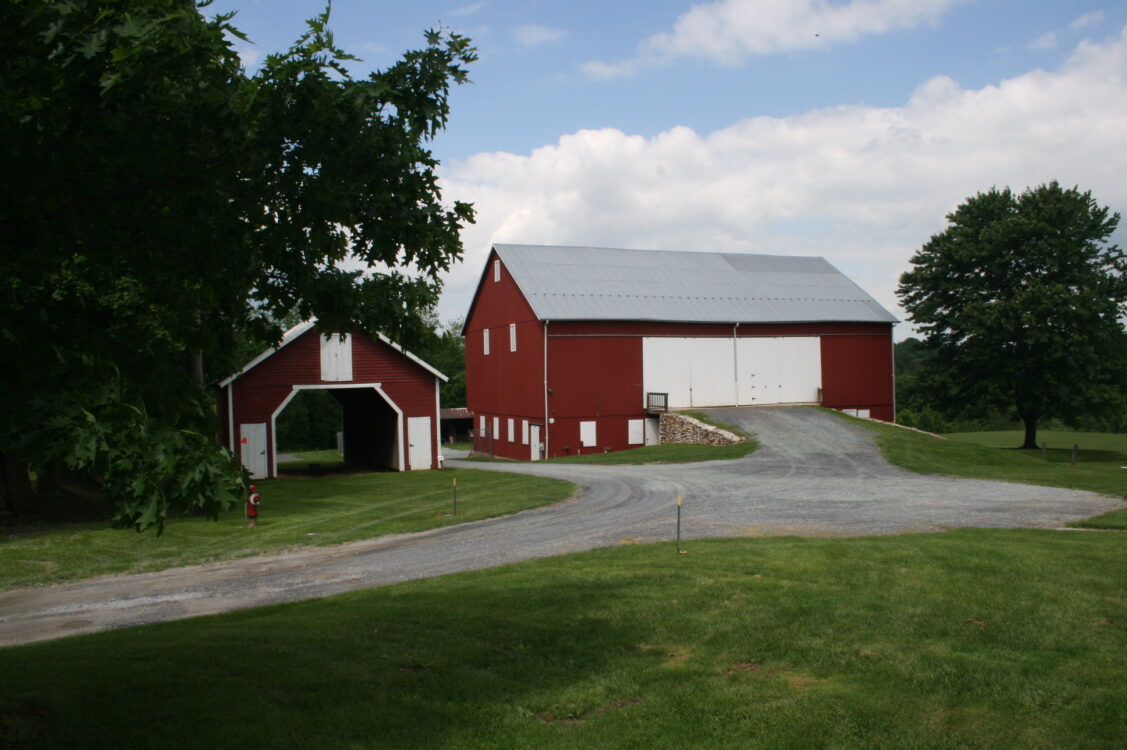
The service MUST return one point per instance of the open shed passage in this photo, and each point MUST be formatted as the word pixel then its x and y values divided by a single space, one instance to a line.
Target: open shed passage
pixel 815 474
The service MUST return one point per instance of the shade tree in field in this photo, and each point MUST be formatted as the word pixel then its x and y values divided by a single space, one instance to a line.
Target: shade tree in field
pixel 1022 301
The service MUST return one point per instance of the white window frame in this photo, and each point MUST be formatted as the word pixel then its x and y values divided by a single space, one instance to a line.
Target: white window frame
pixel 512 337
pixel 496 271
pixel 588 434
pixel 496 428
pixel 485 342
pixel 524 432
pixel 512 430
pixel 481 425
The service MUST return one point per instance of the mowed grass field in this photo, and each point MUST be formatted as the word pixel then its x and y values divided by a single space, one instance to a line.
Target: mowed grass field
pixel 972 638
pixel 992 455
pixel 294 512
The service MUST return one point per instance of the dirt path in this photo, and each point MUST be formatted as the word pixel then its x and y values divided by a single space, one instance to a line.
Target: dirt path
pixel 815 475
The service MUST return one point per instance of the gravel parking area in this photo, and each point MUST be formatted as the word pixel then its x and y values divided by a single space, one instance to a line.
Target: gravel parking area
pixel 814 475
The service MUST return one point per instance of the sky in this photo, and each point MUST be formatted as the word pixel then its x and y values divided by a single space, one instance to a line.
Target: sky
pixel 846 129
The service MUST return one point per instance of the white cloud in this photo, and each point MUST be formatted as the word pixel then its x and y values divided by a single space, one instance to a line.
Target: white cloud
pixel 728 31
pixel 467 10
pixel 534 36
pixel 1046 41
pixel 862 186
pixel 1087 20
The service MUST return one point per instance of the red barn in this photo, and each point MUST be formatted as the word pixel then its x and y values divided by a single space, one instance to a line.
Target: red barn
pixel 565 345
pixel 388 398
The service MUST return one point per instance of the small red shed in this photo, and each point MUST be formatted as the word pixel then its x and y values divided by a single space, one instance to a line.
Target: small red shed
pixel 565 345
pixel 388 398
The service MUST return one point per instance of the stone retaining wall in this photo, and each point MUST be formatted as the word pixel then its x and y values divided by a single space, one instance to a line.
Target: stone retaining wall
pixel 680 428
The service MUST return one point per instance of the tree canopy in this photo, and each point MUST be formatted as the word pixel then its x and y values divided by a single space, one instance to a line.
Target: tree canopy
pixel 1022 300
pixel 161 207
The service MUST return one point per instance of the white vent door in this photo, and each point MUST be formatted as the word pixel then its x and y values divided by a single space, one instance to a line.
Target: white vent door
pixel 336 358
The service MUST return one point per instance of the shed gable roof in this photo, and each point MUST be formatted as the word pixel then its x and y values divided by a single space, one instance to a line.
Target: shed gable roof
pixel 592 283
pixel 294 333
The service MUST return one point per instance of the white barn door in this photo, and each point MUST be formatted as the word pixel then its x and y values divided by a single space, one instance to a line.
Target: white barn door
pixel 705 371
pixel 419 435
pixel 779 370
pixel 252 449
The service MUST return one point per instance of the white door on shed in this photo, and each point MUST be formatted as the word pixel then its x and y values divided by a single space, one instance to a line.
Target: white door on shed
pixel 419 435
pixel 252 449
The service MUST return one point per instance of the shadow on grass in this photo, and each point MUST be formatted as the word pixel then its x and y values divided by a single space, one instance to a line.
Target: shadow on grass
pixel 969 639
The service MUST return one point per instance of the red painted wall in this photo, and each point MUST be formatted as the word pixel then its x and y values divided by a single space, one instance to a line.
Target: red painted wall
pixel 504 383
pixel 857 373
pixel 259 391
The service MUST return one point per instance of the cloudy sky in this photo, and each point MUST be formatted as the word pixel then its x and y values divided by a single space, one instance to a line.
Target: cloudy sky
pixel 844 129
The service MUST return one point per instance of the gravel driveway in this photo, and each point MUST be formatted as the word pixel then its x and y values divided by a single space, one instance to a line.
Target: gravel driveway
pixel 815 475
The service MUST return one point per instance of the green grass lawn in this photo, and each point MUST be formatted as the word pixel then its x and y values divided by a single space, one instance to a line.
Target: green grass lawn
pixel 326 459
pixel 294 512
pixel 981 456
pixel 972 638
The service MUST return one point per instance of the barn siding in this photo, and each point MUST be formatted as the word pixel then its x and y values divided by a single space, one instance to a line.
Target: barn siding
pixel 857 374
pixel 504 384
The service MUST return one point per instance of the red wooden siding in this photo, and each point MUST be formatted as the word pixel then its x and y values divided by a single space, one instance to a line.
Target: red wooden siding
pixel 857 373
pixel 504 383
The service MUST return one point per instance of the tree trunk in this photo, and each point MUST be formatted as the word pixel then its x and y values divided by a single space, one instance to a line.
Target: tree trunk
pixel 1030 420
pixel 17 485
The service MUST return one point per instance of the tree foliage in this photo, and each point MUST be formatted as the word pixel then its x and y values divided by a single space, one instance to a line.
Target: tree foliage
pixel 160 205
pixel 1021 299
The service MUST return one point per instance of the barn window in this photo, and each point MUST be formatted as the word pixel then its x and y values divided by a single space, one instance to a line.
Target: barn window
pixel 336 358
pixel 486 340
pixel 636 431
pixel 512 431
pixel 481 425
pixel 496 270
pixel 512 337
pixel 587 434
pixel 496 428
pixel 524 432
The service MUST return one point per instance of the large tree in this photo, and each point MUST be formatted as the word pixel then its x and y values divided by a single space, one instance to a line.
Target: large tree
pixel 1022 299
pixel 160 206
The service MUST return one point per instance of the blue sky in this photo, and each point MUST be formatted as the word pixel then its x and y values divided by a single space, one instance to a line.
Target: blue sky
pixel 844 129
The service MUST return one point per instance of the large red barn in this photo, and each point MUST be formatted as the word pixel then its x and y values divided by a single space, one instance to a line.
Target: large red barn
pixel 565 345
pixel 388 398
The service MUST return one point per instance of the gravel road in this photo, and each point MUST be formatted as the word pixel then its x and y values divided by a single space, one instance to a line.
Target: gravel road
pixel 814 475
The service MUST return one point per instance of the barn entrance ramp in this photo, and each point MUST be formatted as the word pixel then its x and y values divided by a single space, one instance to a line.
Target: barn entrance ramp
pixel 804 441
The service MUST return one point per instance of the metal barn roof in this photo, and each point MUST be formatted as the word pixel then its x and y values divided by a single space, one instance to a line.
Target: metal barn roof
pixel 593 283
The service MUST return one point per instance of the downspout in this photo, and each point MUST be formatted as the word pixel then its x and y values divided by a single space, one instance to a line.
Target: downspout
pixel 231 417
pixel 893 345
pixel 736 361
pixel 546 430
